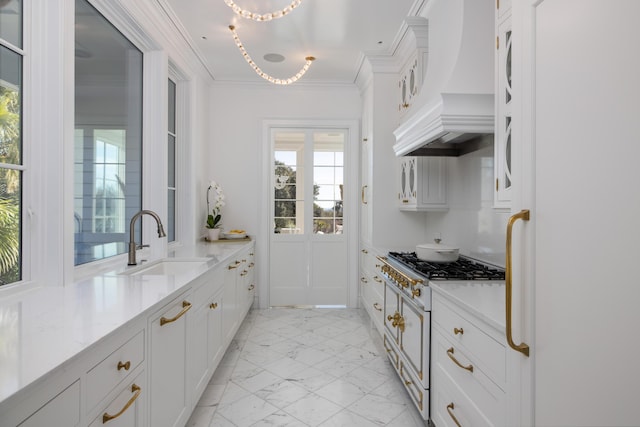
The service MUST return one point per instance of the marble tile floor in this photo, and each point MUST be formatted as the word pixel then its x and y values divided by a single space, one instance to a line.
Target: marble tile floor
pixel 305 367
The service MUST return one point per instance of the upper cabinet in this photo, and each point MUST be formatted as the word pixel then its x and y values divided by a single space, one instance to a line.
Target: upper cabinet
pixel 410 80
pixel 503 125
pixel 423 184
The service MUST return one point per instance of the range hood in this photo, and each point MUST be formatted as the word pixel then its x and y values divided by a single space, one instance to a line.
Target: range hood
pixel 453 113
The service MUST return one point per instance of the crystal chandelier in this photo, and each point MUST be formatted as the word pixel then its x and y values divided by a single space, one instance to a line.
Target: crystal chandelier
pixel 245 54
pixel 267 16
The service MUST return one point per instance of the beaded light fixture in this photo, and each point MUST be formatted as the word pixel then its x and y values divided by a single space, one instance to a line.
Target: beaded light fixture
pixel 245 54
pixel 264 17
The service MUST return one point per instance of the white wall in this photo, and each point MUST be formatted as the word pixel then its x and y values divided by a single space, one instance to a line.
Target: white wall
pixel 472 223
pixel 235 137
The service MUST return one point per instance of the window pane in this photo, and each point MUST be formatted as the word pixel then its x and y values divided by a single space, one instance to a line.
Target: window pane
pixel 11 21
pixel 288 182
pixel 108 138
pixel 172 107
pixel 171 220
pixel 171 155
pixel 10 107
pixel 10 225
pixel 328 180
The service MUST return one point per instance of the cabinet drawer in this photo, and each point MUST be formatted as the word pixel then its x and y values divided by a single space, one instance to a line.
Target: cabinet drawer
pixel 103 377
pixel 126 409
pixel 483 392
pixel 485 351
pixel 62 410
pixel 419 395
pixel 450 407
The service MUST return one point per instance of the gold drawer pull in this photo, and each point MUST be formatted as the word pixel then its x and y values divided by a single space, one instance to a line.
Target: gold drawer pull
pixel 364 251
pixel 213 305
pixel 377 306
pixel 124 366
pixel 452 357
pixel 407 382
pixel 134 389
pixel 450 408
pixel 252 287
pixel 377 279
pixel 244 273
pixel 364 280
pixel 185 307
pixel 457 331
pixel 234 265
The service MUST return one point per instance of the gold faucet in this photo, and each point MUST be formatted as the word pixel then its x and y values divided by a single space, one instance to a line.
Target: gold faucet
pixel 132 242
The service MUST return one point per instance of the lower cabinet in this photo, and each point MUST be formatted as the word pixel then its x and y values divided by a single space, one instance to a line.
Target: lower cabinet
pixel 468 368
pixel 152 371
pixel 62 410
pixel 371 288
pixel 127 409
pixel 168 364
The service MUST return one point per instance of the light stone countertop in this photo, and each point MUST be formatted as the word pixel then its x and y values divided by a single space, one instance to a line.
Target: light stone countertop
pixel 43 327
pixel 485 299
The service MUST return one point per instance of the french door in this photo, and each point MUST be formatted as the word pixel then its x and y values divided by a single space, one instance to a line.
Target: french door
pixel 308 246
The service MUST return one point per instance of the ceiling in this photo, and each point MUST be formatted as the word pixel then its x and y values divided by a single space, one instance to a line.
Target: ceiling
pixel 335 32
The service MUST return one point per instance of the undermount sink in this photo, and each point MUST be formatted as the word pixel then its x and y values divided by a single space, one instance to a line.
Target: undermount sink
pixel 167 267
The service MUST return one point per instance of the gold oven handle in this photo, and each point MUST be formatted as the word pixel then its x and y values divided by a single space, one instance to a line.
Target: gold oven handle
pixel 522 347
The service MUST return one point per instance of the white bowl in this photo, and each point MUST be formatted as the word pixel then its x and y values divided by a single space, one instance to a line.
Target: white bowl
pixel 436 252
pixel 234 235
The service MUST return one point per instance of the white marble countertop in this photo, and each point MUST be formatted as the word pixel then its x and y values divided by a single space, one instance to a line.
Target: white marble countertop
pixel 485 299
pixel 44 326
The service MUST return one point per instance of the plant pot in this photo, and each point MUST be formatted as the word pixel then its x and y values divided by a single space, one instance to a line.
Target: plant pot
pixel 213 234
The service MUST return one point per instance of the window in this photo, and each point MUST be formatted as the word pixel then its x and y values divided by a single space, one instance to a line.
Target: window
pixel 108 137
pixel 11 158
pixel 171 166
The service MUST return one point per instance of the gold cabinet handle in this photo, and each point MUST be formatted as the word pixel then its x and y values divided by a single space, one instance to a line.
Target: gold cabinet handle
pixel 126 365
pixel 244 273
pixel 185 307
pixel 364 187
pixel 134 389
pixel 252 287
pixel 213 305
pixel 457 331
pixel 522 347
pixel 450 408
pixel 364 280
pixel 377 306
pixel 234 265
pixel 452 357
pixel 377 279
pixel 364 251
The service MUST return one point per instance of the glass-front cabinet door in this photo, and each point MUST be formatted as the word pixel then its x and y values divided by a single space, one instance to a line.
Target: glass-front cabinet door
pixel 502 195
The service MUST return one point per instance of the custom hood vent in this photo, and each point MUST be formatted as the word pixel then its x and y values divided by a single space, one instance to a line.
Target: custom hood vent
pixel 453 113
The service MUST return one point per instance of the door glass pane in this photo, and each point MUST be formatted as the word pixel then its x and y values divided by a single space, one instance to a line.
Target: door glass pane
pixel 10 107
pixel 108 138
pixel 11 21
pixel 288 182
pixel 328 182
pixel 10 225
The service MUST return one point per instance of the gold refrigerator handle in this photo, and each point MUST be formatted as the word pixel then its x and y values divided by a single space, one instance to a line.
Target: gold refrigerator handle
pixel 522 347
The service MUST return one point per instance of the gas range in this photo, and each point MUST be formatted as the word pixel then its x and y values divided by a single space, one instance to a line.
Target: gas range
pixel 464 268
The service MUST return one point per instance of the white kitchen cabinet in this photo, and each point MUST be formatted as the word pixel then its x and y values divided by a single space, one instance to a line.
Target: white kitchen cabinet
pixel 423 184
pixel 168 330
pixel 575 112
pixel 372 288
pixel 409 83
pixel 504 106
pixel 127 409
pixel 468 366
pixel 62 410
pixel 246 282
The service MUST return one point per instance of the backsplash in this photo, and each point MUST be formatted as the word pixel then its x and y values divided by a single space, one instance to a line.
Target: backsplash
pixel 472 223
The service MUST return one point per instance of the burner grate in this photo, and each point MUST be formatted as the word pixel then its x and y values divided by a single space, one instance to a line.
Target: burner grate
pixel 462 269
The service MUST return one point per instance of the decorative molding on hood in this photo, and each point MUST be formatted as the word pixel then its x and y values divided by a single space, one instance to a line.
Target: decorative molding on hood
pixel 455 102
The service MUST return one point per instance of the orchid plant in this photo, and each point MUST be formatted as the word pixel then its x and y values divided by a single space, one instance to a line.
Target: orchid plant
pixel 214 216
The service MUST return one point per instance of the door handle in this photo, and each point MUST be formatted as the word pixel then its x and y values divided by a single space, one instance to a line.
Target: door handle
pixel 522 347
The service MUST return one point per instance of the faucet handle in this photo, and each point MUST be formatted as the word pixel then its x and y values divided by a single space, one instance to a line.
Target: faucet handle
pixel 142 246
